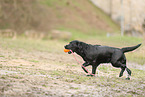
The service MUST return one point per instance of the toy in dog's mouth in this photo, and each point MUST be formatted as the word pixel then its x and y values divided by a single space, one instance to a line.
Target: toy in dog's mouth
pixel 67 50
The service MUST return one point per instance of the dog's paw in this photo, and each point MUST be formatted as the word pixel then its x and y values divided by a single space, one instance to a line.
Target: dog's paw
pixel 121 74
pixel 127 78
pixel 90 75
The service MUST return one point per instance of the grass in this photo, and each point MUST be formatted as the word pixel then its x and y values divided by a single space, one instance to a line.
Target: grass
pixel 30 45
pixel 35 61
pixel 138 57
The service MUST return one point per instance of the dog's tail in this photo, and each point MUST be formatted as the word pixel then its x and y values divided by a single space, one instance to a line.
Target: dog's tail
pixel 128 49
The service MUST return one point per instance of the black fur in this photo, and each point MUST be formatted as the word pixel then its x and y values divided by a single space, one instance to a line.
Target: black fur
pixel 96 54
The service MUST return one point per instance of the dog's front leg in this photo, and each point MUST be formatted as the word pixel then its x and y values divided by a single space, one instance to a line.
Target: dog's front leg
pixel 85 65
pixel 93 70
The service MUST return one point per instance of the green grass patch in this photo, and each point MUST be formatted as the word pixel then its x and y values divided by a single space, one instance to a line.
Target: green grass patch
pixel 136 57
pixel 2 56
pixel 78 34
pixel 48 2
pixel 35 61
pixel 43 72
pixel 119 40
pixel 140 74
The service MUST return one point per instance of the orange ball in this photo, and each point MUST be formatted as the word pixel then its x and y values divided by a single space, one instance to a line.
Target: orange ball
pixel 66 50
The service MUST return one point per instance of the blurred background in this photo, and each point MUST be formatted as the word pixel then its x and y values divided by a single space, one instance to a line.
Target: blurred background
pixel 43 18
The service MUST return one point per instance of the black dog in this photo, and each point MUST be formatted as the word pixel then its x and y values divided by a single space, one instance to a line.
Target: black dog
pixel 96 54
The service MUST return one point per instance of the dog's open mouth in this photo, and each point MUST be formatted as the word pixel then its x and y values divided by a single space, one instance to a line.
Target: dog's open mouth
pixel 67 50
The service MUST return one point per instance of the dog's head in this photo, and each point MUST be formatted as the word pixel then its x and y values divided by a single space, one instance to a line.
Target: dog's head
pixel 73 45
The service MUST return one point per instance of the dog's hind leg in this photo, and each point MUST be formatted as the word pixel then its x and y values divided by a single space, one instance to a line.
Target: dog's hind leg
pixel 121 72
pixel 123 68
pixel 120 65
pixel 129 73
